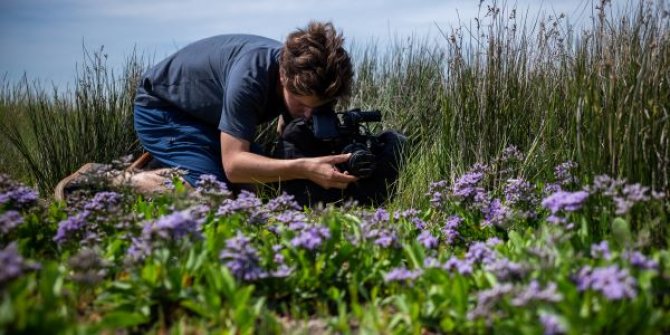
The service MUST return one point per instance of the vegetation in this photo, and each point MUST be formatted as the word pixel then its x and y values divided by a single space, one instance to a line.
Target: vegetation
pixel 535 200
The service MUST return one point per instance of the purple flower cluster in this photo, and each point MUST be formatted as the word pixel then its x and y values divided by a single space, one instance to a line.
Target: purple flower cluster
pixel 9 220
pixel 87 267
pixel 427 239
pixel 511 154
pixel 19 196
pixel 468 189
pixel 533 292
pixel 624 195
pixel 242 259
pixel 496 214
pixel 246 203
pixel 564 173
pixel 614 283
pixel 172 227
pixel 504 269
pixel 463 267
pixel 103 201
pixel 565 201
pixel 284 202
pixel 487 299
pixel 375 227
pixel 450 229
pixel 562 202
pixel 402 274
pixel 12 264
pixel 520 192
pixel 72 228
pixel 639 260
pixel 601 250
pixel 210 185
pixel 551 324
pixel 294 220
pixel 520 296
pixel 311 238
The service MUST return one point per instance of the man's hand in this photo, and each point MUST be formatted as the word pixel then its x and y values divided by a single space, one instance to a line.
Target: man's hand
pixel 323 172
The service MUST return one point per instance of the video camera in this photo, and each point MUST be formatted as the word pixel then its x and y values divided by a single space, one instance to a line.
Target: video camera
pixel 330 132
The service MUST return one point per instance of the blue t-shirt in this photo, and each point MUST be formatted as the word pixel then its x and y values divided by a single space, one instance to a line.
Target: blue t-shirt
pixel 228 81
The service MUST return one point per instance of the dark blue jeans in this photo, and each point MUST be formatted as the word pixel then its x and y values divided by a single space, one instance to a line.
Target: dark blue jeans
pixel 176 139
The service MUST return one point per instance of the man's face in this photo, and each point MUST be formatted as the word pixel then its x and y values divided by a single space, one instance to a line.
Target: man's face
pixel 302 106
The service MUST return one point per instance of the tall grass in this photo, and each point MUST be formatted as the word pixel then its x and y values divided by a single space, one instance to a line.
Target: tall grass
pixel 599 97
pixel 56 133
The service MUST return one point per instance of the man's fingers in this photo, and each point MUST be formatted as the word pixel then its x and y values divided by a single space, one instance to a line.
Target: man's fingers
pixel 336 159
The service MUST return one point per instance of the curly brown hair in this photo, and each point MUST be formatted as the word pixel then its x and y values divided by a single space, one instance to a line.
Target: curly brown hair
pixel 314 62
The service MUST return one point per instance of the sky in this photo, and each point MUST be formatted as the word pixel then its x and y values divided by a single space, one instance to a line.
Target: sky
pixel 45 39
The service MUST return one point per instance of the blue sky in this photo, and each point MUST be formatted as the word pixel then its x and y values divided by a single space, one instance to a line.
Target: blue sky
pixel 44 38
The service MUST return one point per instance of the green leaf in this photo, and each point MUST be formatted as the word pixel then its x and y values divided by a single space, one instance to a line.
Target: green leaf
pixel 621 232
pixel 120 319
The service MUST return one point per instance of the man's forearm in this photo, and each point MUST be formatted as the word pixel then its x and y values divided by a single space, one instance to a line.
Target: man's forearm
pixel 248 167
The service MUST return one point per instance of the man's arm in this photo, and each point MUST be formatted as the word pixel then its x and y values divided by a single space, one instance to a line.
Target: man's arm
pixel 242 166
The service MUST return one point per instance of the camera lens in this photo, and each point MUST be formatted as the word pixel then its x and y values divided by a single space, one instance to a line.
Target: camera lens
pixel 362 162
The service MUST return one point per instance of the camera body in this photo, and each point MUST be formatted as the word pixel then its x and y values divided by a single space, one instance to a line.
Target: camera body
pixel 330 132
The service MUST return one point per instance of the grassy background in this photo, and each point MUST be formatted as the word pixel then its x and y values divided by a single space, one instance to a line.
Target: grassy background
pixel 598 96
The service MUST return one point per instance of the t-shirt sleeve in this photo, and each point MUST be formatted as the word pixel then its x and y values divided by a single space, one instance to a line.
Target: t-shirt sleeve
pixel 244 97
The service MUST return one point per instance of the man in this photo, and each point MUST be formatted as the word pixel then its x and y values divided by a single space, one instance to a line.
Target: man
pixel 198 109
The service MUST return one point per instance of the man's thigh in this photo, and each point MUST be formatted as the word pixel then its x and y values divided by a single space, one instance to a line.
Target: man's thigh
pixel 178 140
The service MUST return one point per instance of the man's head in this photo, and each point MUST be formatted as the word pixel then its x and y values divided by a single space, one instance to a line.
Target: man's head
pixel 314 68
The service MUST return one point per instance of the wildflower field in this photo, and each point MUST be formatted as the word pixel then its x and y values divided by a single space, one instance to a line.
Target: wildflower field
pixel 534 200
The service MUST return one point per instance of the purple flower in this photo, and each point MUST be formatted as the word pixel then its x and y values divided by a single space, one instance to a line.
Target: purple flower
pixel 242 259
pixel 408 213
pixel 601 250
pixel 427 240
pixel 72 228
pixel 210 185
pixel 102 201
pixel 311 238
pixel 512 154
pixel 173 226
pixel 139 250
pixel 450 230
pixel 466 187
pixel 487 299
pixel 9 220
pixel 519 192
pixel 612 282
pixel 436 190
pixel 87 267
pixel 551 324
pixel 480 252
pixel 464 267
pixel 385 238
pixel 535 293
pixel 246 202
pixel 20 196
pixel 639 260
pixel 402 274
pixel 381 216
pixel 565 201
pixel 294 219
pixel 504 269
pixel 419 224
pixel 496 214
pixel 284 202
pixel 631 194
pixel 564 173
pixel 12 265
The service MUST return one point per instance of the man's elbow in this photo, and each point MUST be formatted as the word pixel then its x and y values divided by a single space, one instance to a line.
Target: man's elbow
pixel 232 173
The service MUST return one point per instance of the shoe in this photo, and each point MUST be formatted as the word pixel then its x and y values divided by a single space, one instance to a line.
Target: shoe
pixel 88 174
